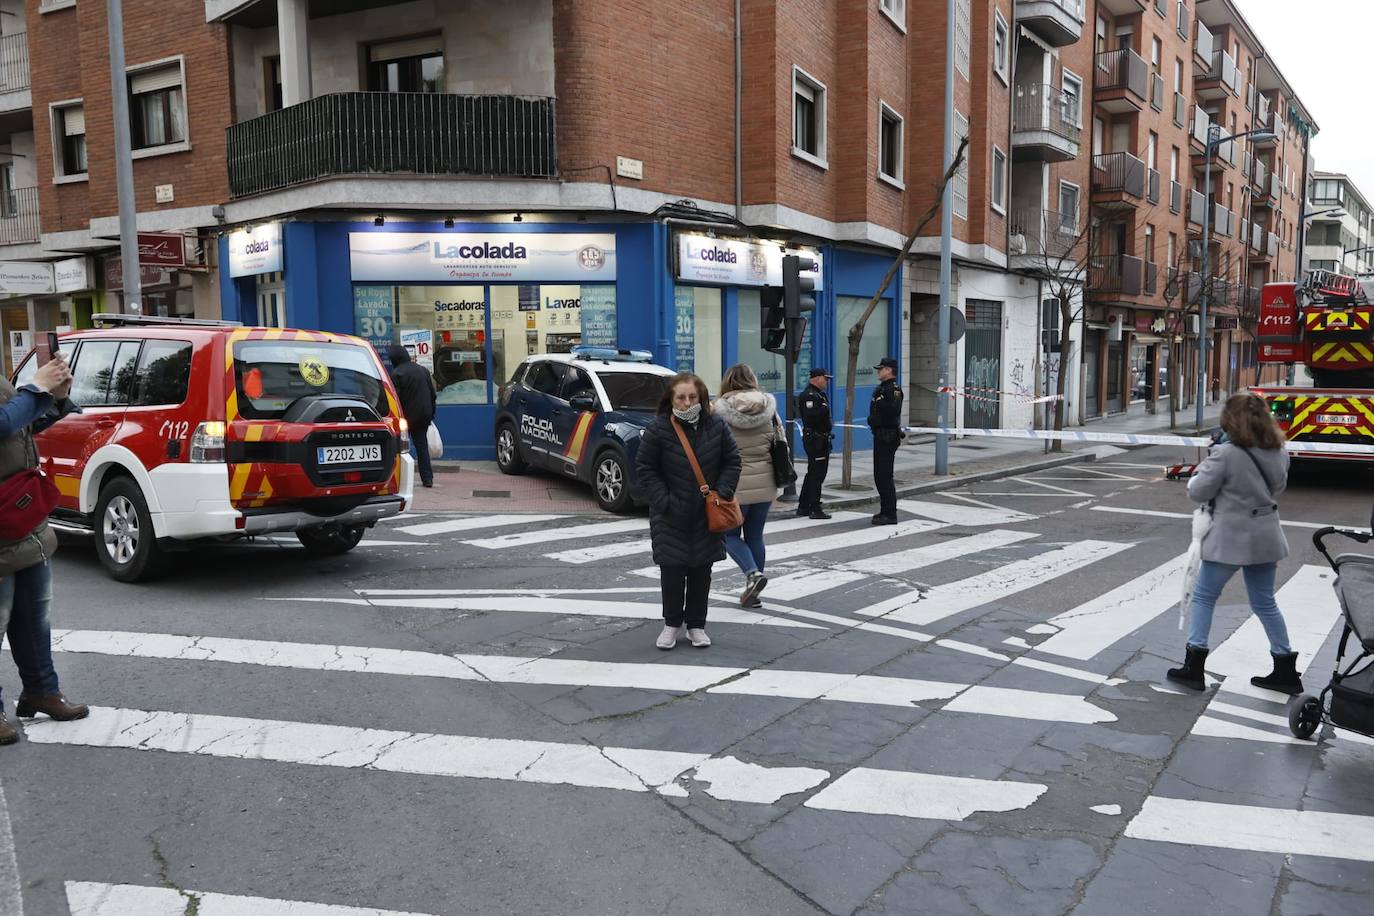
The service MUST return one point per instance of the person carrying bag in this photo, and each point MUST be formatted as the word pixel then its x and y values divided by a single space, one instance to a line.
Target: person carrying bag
pixel 688 467
pixel 752 415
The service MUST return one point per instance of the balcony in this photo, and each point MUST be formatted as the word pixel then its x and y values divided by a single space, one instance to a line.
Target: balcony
pixel 1122 7
pixel 19 216
pixel 14 72
pixel 1116 179
pixel 1270 192
pixel 1197 208
pixel 1175 197
pixel 1115 275
pixel 1221 221
pixel 1043 235
pixel 1044 124
pixel 1198 128
pixel 1203 45
pixel 1269 122
pixel 1119 79
pixel 1219 78
pixel 402 133
pixel 1152 186
pixel 1055 22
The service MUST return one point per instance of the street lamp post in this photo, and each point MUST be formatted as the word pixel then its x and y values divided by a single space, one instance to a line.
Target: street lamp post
pixel 1214 140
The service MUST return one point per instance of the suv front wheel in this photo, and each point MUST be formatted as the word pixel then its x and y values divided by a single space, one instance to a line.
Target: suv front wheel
pixel 330 540
pixel 508 457
pixel 124 537
pixel 611 481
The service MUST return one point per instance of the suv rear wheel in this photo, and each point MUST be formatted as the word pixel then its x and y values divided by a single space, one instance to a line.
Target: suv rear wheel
pixel 124 537
pixel 330 540
pixel 610 481
pixel 508 450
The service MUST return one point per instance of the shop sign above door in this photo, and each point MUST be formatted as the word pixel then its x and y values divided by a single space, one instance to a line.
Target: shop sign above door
pixel 545 257
pixel 26 278
pixel 162 249
pixel 735 262
pixel 256 250
pixel 74 275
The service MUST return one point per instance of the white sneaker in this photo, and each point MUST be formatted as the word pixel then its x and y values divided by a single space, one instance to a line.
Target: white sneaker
pixel 669 637
pixel 754 584
pixel 698 638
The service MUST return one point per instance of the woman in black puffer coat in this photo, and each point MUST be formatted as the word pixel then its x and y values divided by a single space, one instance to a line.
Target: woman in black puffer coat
pixel 684 548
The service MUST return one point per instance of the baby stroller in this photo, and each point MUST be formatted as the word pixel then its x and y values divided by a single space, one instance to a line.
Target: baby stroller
pixel 1351 691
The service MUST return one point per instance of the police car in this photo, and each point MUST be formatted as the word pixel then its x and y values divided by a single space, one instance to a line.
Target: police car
pixel 580 415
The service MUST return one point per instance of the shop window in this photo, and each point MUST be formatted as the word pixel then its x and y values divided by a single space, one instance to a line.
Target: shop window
pixel 697 332
pixel 875 345
pixel 808 117
pixel 412 65
pixel 771 368
pixel 69 140
pixel 157 106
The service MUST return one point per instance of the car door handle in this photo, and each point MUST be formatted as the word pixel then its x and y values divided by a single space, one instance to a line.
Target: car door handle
pixel 105 423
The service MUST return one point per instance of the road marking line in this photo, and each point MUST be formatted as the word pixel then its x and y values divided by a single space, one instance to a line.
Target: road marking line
pixel 1122 510
pixel 967 516
pixel 526 604
pixel 1028 704
pixel 549 535
pixel 644 545
pixel 1254 828
pixel 1091 677
pixel 529 592
pixel 1310 610
pixel 85 898
pixel 1100 623
pixel 922 795
pixel 944 601
pixel 11 894
pixel 804 584
pixel 1064 490
pixel 919 557
pixel 475 523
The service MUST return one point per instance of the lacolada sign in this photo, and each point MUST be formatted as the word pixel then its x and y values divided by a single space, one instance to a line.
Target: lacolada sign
pixel 544 257
pixel 735 262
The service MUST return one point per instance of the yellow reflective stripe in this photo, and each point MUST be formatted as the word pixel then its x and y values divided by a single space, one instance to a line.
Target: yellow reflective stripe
pixel 238 481
pixel 67 486
pixel 1306 412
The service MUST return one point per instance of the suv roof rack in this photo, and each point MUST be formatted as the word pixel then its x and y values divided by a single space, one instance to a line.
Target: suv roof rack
pixel 117 319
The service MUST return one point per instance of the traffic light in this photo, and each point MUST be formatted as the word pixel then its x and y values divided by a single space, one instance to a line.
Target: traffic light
pixel 770 319
pixel 797 291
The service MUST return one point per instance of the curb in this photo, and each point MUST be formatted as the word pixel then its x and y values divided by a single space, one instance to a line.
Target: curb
pixel 949 483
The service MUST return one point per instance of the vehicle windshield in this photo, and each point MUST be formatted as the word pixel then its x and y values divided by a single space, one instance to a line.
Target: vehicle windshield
pixel 634 390
pixel 272 374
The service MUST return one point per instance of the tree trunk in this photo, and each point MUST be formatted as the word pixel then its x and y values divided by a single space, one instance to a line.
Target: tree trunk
pixel 1061 382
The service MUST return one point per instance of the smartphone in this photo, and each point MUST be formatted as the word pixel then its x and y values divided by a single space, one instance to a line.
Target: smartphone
pixel 46 347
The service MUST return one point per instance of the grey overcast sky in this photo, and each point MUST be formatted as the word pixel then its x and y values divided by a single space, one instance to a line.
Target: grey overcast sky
pixel 1326 50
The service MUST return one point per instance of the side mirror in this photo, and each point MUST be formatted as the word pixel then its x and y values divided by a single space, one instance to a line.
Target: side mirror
pixel 584 402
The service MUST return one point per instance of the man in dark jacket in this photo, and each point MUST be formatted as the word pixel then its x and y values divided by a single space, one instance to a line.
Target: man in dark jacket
pixel 415 387
pixel 817 435
pixel 25 562
pixel 885 417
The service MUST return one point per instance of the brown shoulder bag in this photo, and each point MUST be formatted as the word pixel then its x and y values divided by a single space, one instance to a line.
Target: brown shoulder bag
pixel 721 514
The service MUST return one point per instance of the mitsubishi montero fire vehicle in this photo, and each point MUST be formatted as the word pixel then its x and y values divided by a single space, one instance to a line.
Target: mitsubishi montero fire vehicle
pixel 198 430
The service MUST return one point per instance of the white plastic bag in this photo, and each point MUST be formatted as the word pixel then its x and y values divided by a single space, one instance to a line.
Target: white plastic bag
pixel 434 442
pixel 1202 523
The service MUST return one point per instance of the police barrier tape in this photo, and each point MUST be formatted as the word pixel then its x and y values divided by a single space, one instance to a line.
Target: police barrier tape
pixel 1324 448
pixel 983 396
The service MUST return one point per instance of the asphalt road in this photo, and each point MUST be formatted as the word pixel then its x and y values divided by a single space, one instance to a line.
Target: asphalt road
pixel 965 713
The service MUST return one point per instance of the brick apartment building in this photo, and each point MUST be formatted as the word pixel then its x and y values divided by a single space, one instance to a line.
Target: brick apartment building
pixel 499 178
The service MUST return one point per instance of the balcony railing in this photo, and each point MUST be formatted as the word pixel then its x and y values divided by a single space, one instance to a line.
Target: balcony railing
pixel 1039 107
pixel 1201 123
pixel 1260 176
pixel 1180 108
pixel 1044 233
pixel 360 133
pixel 19 216
pixel 1118 273
pixel 1152 186
pixel 1221 221
pixel 1222 67
pixel 14 62
pixel 1151 278
pixel 1203 43
pixel 1157 91
pixel 1261 107
pixel 1119 172
pixel 1120 69
pixel 1197 207
pixel 1256 237
pixel 1059 22
pixel 1175 197
pixel 1273 245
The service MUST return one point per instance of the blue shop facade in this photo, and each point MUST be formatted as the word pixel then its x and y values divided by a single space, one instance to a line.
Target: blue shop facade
pixel 472 300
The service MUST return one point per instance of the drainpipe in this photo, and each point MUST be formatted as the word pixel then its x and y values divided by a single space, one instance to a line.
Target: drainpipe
pixel 739 94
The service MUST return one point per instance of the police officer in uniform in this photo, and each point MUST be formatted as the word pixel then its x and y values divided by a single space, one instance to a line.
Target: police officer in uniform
pixel 817 435
pixel 885 419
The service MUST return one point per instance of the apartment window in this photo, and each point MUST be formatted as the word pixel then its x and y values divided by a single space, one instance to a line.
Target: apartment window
pixel 808 117
pixel 1173 164
pixel 1182 19
pixel 895 10
pixel 999 47
pixel 157 106
pixel 1068 207
pixel 1152 151
pixel 69 140
pixel 1156 54
pixel 412 65
pixel 1149 243
pixel 1073 98
pixel 9 201
pixel 890 142
pixel 999 180
pixel 963 33
pixel 271 72
pixel 1171 249
pixel 961 176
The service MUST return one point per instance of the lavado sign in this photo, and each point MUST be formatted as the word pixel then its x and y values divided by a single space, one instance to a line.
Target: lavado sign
pixel 537 257
pixel 735 262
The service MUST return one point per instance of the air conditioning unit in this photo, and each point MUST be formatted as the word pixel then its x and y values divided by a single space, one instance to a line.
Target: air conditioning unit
pixel 1115 325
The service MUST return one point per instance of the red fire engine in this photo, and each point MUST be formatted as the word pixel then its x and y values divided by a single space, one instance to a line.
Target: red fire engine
pixel 1323 322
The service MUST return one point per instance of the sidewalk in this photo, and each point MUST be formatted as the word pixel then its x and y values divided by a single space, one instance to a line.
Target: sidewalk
pixel 479 486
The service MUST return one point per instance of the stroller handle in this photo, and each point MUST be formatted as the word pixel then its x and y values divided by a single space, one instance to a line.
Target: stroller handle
pixel 1355 534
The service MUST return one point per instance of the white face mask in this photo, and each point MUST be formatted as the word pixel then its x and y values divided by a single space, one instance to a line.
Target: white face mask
pixel 689 415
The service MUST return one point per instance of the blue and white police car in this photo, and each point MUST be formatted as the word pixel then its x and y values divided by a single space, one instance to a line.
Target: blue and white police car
pixel 580 415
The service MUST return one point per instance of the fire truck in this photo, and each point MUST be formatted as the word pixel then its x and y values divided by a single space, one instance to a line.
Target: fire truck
pixel 1325 322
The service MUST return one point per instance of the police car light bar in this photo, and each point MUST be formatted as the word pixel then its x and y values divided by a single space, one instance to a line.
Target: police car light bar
pixel 611 354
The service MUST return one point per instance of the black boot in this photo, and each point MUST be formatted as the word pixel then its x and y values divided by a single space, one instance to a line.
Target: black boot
pixel 1190 675
pixel 1284 678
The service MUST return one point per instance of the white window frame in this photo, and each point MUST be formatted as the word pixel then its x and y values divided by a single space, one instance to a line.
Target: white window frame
pixel 1068 76
pixel 59 141
pixel 52 6
pixel 999 207
pixel 963 36
pixel 960 180
pixel 1078 200
pixel 1003 67
pixel 886 112
pixel 895 11
pixel 802 79
pixel 178 146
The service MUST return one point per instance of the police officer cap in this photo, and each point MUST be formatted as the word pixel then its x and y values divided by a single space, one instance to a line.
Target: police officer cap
pixel 820 373
pixel 887 362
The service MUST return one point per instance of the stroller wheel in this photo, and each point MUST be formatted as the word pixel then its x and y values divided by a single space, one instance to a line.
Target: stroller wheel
pixel 1304 715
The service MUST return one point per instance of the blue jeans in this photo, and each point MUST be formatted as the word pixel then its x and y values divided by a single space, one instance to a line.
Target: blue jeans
pixel 24 600
pixel 1259 585
pixel 745 544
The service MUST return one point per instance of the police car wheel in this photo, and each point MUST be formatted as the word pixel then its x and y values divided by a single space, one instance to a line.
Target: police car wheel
pixel 611 482
pixel 330 540
pixel 508 451
pixel 124 538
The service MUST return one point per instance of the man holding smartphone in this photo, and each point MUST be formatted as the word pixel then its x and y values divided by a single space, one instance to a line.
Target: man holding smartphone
pixel 26 561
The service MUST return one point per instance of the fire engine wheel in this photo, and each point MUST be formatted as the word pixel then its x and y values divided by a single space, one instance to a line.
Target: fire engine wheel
pixel 124 537
pixel 330 540
pixel 508 451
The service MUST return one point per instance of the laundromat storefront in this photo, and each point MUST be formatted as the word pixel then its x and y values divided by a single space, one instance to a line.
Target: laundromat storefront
pixel 470 306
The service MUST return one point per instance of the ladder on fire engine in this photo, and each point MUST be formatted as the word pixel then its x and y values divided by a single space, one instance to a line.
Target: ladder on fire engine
pixel 1332 289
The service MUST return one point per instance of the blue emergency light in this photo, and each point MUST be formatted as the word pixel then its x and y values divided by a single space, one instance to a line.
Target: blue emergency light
pixel 611 354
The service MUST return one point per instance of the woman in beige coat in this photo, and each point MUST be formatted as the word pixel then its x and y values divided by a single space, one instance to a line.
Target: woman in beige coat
pixel 752 417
